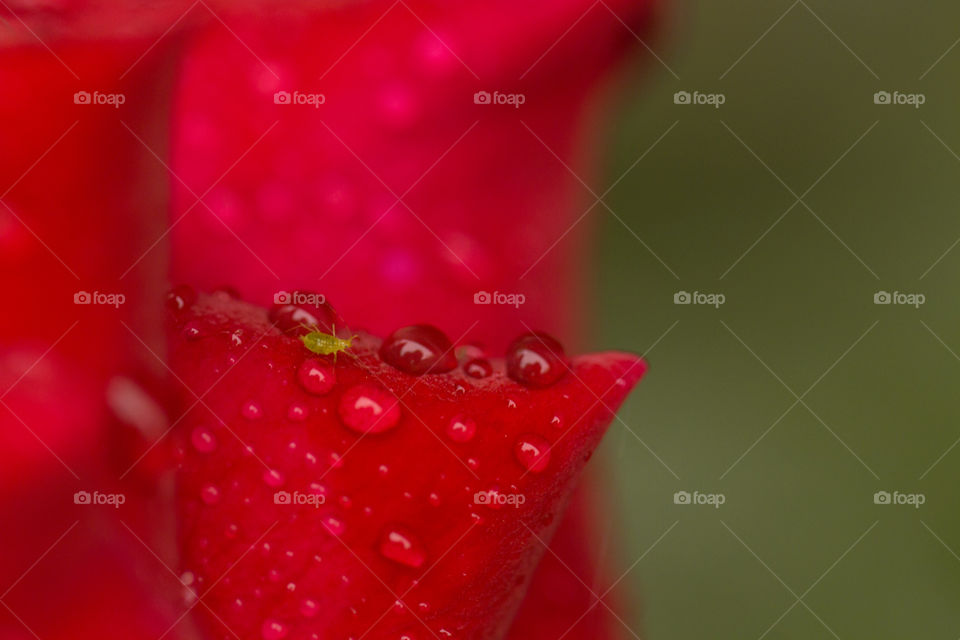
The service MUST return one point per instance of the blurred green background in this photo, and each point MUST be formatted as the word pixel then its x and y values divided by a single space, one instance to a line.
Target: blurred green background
pixel 799 549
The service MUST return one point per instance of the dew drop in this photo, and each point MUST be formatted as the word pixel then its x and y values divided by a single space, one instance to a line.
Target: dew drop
pixel 309 607
pixel 251 410
pixel 181 297
pixel 273 630
pixel 203 440
pixel 536 360
pixel 300 319
pixel 419 349
pixel 316 376
pixel 478 368
pixel 210 494
pixel 403 547
pixel 532 451
pixel 273 478
pixel 461 428
pixel 334 524
pixel 365 408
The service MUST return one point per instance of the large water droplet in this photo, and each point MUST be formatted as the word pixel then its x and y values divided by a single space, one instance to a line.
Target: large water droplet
pixel 368 409
pixel 532 451
pixel 303 312
pixel 536 360
pixel 461 428
pixel 419 349
pixel 316 376
pixel 402 546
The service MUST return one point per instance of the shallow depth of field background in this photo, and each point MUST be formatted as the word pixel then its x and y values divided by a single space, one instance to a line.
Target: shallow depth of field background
pixel 798 503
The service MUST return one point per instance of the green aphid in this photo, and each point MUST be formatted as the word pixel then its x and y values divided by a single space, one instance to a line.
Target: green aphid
pixel 326 344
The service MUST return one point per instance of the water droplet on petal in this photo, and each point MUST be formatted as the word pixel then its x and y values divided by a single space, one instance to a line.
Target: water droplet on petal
pixel 299 319
pixel 251 410
pixel 210 494
pixel 273 478
pixel 181 297
pixel 298 412
pixel 419 349
pixel 461 428
pixel 532 451
pixel 365 408
pixel 273 630
pixel 203 440
pixel 309 608
pixel 316 376
pixel 478 368
pixel 334 524
pixel 403 547
pixel 536 360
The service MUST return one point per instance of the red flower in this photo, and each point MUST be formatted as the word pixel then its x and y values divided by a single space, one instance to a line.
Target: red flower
pixel 401 196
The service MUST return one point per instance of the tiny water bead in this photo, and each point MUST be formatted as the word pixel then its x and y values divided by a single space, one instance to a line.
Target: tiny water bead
pixel 461 428
pixel 251 410
pixel 210 494
pixel 402 546
pixel 419 349
pixel 536 360
pixel 273 630
pixel 366 408
pixel 532 451
pixel 297 412
pixel 203 440
pixel 316 376
pixel 181 297
pixel 478 368
pixel 273 478
pixel 309 608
